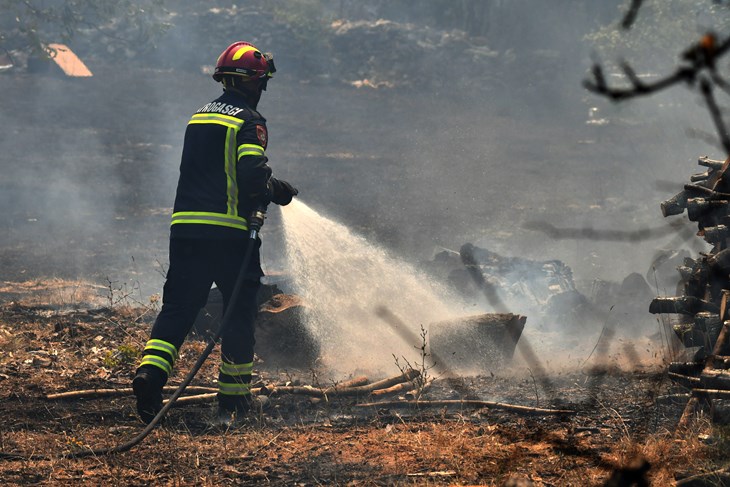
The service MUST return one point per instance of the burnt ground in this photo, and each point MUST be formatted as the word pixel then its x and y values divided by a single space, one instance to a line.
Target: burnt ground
pixel 621 417
pixel 87 180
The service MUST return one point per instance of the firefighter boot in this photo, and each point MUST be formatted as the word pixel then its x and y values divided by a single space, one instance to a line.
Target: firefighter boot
pixel 232 409
pixel 147 386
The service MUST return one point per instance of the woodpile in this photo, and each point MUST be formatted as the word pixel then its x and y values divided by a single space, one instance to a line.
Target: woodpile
pixel 704 323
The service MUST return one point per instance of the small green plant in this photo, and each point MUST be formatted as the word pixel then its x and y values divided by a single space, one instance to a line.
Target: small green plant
pixel 122 356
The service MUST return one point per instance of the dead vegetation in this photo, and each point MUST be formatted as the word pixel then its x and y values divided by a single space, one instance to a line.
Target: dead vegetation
pixel 617 421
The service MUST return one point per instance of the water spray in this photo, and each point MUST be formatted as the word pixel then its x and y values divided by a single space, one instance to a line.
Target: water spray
pixel 344 279
pixel 256 221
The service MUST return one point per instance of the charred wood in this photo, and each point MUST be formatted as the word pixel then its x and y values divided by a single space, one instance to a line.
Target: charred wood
pixel 677 203
pixel 685 381
pixel 689 335
pixel 702 189
pixel 715 379
pixel 708 323
pixel 693 369
pixel 722 345
pixel 721 361
pixel 720 261
pixel 700 177
pixel 703 208
pixel 712 393
pixel 686 305
pixel 710 163
pixel 716 234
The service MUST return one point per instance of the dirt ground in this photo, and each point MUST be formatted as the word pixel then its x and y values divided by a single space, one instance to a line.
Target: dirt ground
pixel 87 177
pixel 620 417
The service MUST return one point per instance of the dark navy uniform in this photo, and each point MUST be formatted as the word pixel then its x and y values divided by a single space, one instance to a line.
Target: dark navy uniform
pixel 223 178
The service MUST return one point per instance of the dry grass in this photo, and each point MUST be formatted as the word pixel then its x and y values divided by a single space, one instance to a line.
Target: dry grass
pixel 296 441
pixel 54 293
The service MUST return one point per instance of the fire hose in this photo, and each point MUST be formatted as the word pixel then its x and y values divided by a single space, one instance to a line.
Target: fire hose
pixel 255 223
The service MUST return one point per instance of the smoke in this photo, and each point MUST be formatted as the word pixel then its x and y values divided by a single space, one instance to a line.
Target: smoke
pixel 345 280
pixel 483 132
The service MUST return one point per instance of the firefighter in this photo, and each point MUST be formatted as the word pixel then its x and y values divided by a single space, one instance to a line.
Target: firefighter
pixel 224 177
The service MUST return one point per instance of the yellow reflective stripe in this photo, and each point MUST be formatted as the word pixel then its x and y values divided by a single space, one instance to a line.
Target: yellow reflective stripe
pixel 162 346
pixel 229 389
pixel 236 369
pixel 217 118
pixel 210 219
pixel 230 168
pixel 157 362
pixel 243 51
pixel 250 150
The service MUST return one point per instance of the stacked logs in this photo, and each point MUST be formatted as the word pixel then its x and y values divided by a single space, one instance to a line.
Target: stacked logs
pixel 705 283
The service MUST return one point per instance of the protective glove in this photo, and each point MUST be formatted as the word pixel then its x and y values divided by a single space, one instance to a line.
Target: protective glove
pixel 281 191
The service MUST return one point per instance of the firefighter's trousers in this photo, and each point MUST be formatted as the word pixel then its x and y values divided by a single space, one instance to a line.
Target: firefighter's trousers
pixel 195 264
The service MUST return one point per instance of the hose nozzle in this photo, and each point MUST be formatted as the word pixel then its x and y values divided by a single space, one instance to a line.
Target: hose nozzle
pixel 256 220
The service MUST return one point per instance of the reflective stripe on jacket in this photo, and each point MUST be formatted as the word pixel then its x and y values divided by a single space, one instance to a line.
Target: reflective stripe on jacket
pixel 223 170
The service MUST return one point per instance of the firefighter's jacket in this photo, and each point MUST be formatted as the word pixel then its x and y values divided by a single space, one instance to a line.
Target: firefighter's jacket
pixel 223 172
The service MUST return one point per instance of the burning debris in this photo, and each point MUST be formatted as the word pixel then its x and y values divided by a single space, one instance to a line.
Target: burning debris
pixel 704 323
pixel 544 290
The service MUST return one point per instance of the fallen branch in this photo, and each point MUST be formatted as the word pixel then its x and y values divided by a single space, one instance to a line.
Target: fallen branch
pixel 689 369
pixel 412 388
pixel 671 398
pixel 347 391
pixel 685 380
pixel 715 379
pixel 469 403
pixel 209 397
pixel 443 473
pixel 402 387
pixel 345 388
pixel 196 399
pixel 125 391
pixel 354 382
pixel 718 477
pixel 406 376
pixel 715 393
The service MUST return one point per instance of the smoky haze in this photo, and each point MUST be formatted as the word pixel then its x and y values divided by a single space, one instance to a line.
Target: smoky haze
pixel 416 136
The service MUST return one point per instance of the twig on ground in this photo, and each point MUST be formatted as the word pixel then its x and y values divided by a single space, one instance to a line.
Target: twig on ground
pixel 407 376
pixel 473 403
pixel 718 477
pixel 354 387
pixel 125 391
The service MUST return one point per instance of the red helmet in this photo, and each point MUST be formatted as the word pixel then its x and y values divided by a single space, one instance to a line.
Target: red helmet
pixel 245 60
